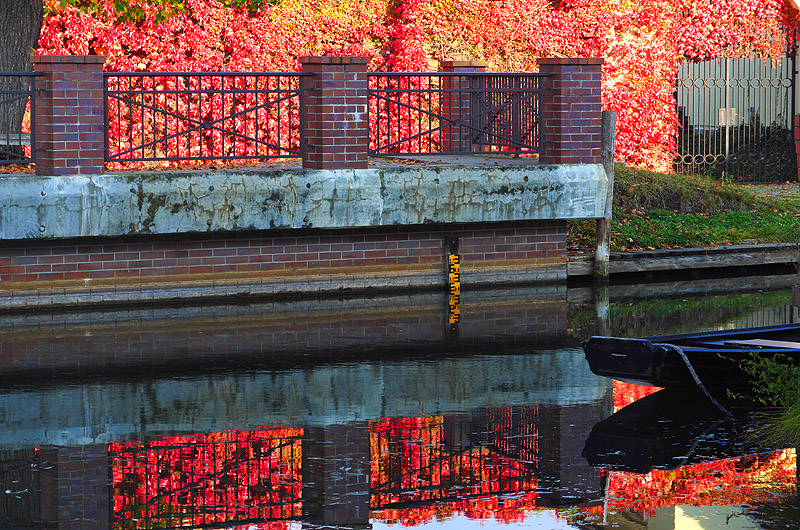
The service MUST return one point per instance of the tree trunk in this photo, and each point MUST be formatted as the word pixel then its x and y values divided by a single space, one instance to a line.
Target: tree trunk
pixel 20 24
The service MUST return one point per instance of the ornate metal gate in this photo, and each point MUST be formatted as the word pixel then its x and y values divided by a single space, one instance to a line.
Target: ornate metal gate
pixel 736 119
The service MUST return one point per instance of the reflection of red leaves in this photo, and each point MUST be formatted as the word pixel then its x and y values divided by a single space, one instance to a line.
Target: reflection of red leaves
pixel 505 509
pixel 735 481
pixel 627 393
pixel 411 463
pixel 203 479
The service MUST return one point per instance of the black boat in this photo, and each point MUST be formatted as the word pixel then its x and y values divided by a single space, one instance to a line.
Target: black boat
pixel 714 356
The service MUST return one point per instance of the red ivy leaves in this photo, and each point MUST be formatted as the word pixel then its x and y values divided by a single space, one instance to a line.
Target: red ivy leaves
pixel 643 42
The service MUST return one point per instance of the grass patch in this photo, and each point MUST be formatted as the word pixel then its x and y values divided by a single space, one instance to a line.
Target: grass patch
pixel 656 210
pixel 776 383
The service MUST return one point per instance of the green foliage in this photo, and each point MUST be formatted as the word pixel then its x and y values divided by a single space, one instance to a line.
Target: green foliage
pixel 137 10
pixel 636 189
pixel 776 379
pixel 659 210
pixel 125 10
pixel 776 382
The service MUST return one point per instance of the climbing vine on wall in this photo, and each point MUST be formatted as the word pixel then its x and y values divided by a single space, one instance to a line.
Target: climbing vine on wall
pixel 642 41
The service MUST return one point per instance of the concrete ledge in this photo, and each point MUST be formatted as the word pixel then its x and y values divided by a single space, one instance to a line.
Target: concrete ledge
pixel 115 204
pixel 688 258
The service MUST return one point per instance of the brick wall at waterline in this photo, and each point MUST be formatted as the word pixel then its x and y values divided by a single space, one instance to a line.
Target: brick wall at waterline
pixel 300 255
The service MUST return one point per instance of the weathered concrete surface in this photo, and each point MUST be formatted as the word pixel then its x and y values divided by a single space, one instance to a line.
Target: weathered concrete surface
pixel 162 202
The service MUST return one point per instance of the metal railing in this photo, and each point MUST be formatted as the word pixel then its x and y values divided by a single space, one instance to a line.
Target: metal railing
pixel 17 109
pixel 191 116
pixel 454 113
pixel 735 119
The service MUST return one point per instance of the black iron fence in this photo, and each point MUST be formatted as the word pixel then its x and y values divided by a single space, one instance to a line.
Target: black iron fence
pixel 453 113
pixel 202 116
pixel 735 119
pixel 17 111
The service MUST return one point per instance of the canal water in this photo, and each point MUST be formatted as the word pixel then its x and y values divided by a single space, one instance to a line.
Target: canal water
pixel 379 413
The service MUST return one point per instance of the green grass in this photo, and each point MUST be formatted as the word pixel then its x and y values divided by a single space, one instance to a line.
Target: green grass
pixel 776 383
pixel 657 210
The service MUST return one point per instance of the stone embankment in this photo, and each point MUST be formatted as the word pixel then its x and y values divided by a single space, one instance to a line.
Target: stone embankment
pixel 689 259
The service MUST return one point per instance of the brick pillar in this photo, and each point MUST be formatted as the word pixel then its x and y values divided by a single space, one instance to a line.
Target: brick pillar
pixel 570 111
pixel 335 116
pixel 458 105
pixel 69 114
pixel 75 491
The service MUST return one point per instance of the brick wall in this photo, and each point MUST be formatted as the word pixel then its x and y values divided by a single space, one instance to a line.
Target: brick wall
pixel 69 114
pixel 570 111
pixel 336 128
pixel 350 258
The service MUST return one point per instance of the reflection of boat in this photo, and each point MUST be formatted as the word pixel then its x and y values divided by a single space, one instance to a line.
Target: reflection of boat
pixel 669 429
pixel 715 356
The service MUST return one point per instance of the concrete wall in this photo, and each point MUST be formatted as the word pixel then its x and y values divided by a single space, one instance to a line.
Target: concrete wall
pixel 116 204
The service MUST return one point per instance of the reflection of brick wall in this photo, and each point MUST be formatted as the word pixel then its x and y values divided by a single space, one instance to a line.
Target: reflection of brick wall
pixel 336 472
pixel 324 329
pixel 274 262
pixel 75 487
pixel 278 332
pixel 563 431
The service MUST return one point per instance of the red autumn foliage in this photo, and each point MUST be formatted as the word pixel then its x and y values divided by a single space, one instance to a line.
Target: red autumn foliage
pixel 643 42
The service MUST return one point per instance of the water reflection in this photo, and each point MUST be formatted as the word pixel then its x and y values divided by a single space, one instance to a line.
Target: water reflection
pixel 456 434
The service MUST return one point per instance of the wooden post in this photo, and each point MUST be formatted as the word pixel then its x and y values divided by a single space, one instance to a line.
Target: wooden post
pixel 608 132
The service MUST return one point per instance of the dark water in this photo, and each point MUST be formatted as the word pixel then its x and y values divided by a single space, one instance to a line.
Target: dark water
pixel 376 413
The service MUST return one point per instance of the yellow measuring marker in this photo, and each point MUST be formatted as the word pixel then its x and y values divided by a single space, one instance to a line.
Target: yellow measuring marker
pixel 454 281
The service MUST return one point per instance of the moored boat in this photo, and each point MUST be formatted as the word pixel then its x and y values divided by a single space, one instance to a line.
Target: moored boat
pixel 668 361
